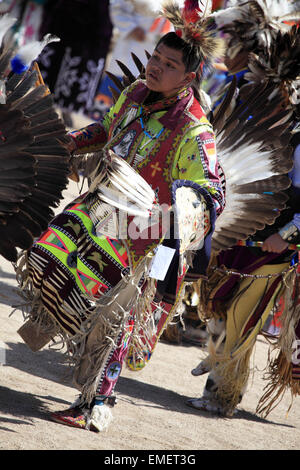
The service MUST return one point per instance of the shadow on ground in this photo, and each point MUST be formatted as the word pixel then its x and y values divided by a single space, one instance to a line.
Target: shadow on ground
pixel 52 365
pixel 159 397
pixel 23 406
pixel 48 363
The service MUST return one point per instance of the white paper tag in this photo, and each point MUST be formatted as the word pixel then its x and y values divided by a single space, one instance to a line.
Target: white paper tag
pixel 161 262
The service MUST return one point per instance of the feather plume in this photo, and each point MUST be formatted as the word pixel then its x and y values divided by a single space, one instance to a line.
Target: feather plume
pixel 30 51
pixel 280 66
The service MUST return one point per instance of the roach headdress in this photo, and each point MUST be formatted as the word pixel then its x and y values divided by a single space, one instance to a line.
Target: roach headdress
pixel 193 24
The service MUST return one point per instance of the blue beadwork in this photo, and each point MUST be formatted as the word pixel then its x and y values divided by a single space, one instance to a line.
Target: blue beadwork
pixel 147 133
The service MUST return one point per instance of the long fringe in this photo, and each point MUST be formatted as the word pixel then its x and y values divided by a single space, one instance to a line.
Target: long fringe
pixel 107 320
pixel 279 375
pixel 232 375
pixel 232 370
pixel 144 323
pixel 280 380
pixel 90 348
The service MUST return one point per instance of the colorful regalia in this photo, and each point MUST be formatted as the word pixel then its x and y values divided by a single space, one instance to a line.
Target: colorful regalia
pixel 89 277
pixel 170 143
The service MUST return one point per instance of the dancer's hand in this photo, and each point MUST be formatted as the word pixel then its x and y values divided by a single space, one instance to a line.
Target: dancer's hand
pixel 274 244
pixel 71 145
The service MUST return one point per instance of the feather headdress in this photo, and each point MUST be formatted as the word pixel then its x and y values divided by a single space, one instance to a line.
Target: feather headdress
pixel 253 24
pixel 193 24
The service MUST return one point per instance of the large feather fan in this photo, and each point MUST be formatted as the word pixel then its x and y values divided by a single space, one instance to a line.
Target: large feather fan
pixel 34 164
pixel 254 154
pixel 253 140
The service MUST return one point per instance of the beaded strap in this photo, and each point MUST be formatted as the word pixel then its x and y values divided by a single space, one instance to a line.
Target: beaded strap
pixel 229 272
pixel 291 246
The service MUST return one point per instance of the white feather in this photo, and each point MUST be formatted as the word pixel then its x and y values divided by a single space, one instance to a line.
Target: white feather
pixel 134 181
pixel 6 22
pixel 246 164
pixel 122 169
pixel 273 11
pixel 242 166
pixel 117 199
pixel 226 16
pixel 32 50
pixel 205 7
pixel 131 193
pixel 276 8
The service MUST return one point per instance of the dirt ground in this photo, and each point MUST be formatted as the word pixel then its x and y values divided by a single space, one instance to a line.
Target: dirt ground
pixel 151 413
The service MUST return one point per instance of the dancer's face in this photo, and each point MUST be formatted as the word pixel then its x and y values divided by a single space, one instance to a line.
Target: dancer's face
pixel 165 71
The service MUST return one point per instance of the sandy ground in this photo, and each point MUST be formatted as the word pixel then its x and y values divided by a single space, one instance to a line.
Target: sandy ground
pixel 151 413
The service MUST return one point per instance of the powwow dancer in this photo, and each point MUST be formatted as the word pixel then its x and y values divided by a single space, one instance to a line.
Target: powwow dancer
pixel 245 283
pixel 160 129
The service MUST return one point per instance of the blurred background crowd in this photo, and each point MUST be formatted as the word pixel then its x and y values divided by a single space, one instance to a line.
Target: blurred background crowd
pixel 93 35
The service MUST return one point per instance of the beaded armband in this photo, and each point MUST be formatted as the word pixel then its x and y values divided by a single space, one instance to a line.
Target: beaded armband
pixel 90 138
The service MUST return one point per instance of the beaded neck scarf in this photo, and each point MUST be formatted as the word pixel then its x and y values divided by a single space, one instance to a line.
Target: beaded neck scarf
pixel 156 102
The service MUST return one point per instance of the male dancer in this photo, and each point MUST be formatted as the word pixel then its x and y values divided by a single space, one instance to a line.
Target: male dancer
pixel 160 129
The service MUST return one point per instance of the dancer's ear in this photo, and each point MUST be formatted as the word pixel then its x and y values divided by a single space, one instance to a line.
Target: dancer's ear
pixel 188 78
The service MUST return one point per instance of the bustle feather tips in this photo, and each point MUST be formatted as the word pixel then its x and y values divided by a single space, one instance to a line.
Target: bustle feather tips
pixel 253 24
pixel 280 66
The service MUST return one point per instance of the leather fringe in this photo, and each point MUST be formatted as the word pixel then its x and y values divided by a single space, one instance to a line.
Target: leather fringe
pixel 280 370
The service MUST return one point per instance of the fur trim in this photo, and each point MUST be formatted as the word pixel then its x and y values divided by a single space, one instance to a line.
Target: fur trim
pixel 100 418
pixel 280 377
